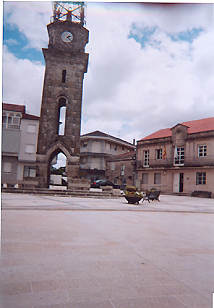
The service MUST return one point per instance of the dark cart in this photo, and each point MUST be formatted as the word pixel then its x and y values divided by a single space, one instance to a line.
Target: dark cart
pixel 152 195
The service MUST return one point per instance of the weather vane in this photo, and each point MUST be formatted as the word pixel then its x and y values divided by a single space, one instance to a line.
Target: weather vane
pixel 69 11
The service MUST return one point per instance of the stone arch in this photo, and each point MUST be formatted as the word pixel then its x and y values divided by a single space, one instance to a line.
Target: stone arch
pixel 53 152
pixel 56 149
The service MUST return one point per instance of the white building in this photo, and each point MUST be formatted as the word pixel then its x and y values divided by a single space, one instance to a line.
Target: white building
pixel 95 148
pixel 19 145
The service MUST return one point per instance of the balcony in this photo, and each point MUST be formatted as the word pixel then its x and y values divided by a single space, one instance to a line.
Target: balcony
pixel 170 162
pixel 153 163
pixel 10 126
pixel 199 161
pixel 88 166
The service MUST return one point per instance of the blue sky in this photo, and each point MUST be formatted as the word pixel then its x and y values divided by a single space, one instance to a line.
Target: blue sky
pixel 17 43
pixel 143 35
pixel 150 66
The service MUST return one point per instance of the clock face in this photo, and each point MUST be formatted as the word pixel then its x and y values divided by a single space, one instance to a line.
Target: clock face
pixel 67 36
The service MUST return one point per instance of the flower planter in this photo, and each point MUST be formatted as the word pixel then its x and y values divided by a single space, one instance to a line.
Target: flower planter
pixel 133 199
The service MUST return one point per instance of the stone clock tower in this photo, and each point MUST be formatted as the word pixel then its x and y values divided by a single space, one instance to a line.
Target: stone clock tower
pixel 66 63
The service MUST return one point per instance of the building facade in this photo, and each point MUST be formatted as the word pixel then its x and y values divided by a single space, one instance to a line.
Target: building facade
pixel 19 145
pixel 95 148
pixel 178 160
pixel 19 142
pixel 120 169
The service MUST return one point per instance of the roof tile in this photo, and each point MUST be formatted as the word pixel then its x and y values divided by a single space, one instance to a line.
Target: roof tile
pixel 197 126
pixel 19 108
pixel 98 133
pixel 13 107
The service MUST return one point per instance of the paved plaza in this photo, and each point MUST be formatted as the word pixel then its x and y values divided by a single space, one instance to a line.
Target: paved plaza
pixel 87 252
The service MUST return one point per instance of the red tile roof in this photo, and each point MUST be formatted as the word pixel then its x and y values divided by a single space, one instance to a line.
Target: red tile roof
pixel 30 117
pixel 122 156
pixel 19 108
pixel 202 125
pixel 13 107
pixel 98 133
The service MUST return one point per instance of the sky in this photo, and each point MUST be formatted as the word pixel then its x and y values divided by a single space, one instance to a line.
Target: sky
pixel 151 66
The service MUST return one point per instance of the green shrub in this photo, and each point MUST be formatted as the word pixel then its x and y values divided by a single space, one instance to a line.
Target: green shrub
pixel 131 188
pixel 132 191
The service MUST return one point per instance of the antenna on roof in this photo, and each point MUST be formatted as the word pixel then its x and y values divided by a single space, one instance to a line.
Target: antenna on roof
pixel 69 11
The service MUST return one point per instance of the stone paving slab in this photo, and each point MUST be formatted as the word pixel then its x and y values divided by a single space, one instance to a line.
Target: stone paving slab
pixel 167 203
pixel 73 252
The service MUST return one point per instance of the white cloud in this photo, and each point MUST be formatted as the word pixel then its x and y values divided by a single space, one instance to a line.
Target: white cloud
pixel 129 92
pixel 30 18
pixel 154 87
pixel 11 42
pixel 22 82
pixel 173 18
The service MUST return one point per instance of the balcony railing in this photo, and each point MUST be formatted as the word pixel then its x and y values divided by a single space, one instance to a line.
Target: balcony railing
pixel 156 163
pixel 170 162
pixel 91 167
pixel 199 161
pixel 10 126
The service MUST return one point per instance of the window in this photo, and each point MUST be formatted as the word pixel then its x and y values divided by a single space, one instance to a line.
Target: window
pixel 122 169
pixel 83 160
pixel 157 178
pixel 31 128
pixel 4 119
pixel 16 120
pixel 108 146
pixel 112 166
pixel 124 181
pixel 7 167
pixel 159 154
pixel 144 178
pixel 200 178
pixel 63 76
pixel 29 172
pixel 62 113
pixel 85 144
pixel 202 150
pixel 115 148
pixel 62 116
pixel 146 158
pixel 179 156
pixel 11 120
pixel 29 149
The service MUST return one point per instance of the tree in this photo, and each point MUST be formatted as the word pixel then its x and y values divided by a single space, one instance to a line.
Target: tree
pixel 59 171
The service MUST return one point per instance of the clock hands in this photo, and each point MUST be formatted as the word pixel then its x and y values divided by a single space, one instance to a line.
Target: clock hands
pixel 69 37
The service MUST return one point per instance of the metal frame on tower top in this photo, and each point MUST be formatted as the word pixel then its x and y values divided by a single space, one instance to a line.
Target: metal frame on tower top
pixel 68 10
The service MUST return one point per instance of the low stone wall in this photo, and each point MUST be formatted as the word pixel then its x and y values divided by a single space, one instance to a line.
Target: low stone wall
pixel 21 184
pixel 107 188
pixel 111 190
pixel 116 192
pixel 79 184
pixel 201 194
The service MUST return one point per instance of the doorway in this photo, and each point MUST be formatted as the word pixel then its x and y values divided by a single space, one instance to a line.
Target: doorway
pixel 178 182
pixel 181 182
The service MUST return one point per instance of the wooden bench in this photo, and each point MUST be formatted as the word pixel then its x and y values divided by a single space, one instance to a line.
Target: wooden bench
pixel 152 195
pixel 201 193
